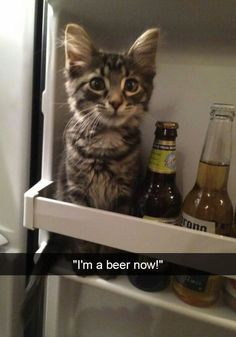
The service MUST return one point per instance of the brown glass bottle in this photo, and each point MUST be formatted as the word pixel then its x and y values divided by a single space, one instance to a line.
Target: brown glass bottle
pixel 161 199
pixel 207 207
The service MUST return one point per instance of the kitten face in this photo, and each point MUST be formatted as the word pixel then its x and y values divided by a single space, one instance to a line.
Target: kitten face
pixel 111 89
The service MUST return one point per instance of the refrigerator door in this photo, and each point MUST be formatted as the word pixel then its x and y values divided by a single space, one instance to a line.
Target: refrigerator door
pixel 195 62
pixel 16 69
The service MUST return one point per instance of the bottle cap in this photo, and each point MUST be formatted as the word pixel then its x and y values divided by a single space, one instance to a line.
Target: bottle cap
pixel 223 110
pixel 166 125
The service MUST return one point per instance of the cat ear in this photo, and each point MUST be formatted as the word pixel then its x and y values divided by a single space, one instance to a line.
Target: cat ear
pixel 144 50
pixel 79 48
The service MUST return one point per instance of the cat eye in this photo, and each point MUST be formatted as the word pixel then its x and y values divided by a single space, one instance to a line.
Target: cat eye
pixel 131 85
pixel 97 84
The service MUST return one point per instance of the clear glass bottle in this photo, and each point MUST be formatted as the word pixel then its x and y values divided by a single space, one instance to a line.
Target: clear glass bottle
pixel 233 232
pixel 207 207
pixel 230 292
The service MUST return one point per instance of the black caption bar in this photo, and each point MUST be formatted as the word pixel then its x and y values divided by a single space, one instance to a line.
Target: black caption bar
pixel 116 264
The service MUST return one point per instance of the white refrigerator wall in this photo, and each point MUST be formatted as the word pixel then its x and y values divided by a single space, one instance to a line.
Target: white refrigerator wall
pixel 16 68
pixel 196 67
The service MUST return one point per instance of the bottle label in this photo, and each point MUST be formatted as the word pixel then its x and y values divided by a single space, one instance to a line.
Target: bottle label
pixel 197 224
pixel 172 221
pixel 163 159
pixel 194 282
pixel 230 287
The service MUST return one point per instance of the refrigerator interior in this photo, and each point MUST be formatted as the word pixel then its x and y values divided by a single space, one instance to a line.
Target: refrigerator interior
pixel 195 68
pixel 91 311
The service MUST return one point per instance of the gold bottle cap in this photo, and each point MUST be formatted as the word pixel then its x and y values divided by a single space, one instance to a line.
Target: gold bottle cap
pixel 167 125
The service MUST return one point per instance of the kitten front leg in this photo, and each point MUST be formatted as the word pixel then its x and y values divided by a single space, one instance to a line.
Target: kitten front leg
pixel 124 205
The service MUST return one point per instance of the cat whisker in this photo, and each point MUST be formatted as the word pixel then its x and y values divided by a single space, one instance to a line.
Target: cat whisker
pixel 60 42
pixel 71 123
pixel 93 123
pixel 61 105
pixel 86 109
pixel 82 120
pixel 61 70
pixel 129 108
pixel 93 126
pixel 96 122
pixel 85 125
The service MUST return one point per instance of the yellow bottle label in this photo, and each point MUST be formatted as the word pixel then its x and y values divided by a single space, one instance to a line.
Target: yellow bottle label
pixel 163 159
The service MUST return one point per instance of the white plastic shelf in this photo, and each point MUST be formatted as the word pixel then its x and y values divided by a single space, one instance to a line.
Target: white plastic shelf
pixel 218 314
pixel 116 230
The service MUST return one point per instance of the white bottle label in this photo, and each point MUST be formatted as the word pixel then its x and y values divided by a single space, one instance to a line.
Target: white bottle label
pixel 197 224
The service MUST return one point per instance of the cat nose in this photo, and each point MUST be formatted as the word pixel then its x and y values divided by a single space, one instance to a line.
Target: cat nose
pixel 115 102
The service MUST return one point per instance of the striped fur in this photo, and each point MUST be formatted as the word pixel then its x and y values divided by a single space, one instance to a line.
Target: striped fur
pixel 101 163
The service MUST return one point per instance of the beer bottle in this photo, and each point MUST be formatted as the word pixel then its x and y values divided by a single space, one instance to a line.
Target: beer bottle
pixel 229 289
pixel 229 292
pixel 233 232
pixel 161 199
pixel 207 207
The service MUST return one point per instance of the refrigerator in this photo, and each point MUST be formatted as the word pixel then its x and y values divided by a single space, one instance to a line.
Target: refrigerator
pixel 196 66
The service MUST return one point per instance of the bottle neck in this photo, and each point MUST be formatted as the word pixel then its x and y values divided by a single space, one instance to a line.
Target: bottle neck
pixel 217 145
pixel 163 157
pixel 213 170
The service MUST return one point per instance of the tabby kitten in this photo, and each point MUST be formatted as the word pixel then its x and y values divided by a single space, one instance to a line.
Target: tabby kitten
pixel 108 95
